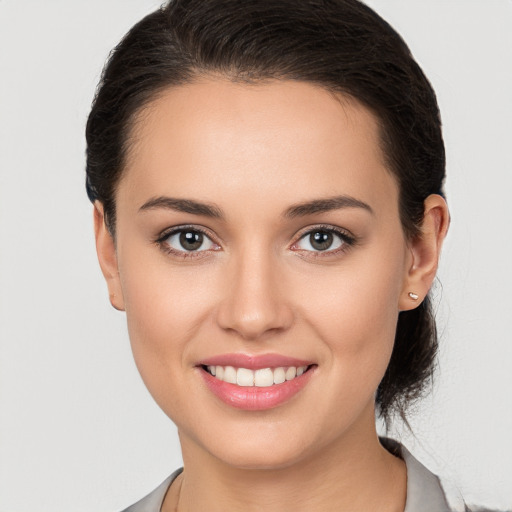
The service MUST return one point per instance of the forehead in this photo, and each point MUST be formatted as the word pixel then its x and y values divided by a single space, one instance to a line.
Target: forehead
pixel 215 137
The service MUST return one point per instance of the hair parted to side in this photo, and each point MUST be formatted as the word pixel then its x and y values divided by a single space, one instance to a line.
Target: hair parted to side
pixel 341 45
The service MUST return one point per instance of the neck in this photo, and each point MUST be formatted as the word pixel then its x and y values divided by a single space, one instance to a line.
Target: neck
pixel 354 474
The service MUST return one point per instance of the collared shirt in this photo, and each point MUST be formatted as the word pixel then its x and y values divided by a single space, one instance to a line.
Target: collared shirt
pixel 424 490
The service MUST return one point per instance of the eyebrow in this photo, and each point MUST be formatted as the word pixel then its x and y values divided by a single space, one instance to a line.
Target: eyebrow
pixel 183 205
pixel 326 205
pixel 296 210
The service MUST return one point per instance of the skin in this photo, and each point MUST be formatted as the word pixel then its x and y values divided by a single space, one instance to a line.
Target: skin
pixel 255 151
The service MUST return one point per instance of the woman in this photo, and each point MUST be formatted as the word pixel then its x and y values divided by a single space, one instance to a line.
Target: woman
pixel 268 188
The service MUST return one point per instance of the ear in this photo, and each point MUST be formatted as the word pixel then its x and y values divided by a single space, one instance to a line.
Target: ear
pixel 424 252
pixel 107 257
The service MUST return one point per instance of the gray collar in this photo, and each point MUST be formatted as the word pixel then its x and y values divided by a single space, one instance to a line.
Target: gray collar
pixel 153 501
pixel 424 490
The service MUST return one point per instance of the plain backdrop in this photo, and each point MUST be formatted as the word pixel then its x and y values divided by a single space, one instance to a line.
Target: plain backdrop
pixel 78 430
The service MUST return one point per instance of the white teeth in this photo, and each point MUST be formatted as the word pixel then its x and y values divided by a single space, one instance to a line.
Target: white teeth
pixel 229 375
pixel 264 377
pixel 244 377
pixel 290 373
pixel 279 376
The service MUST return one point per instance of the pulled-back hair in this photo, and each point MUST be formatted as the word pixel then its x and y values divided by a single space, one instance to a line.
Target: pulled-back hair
pixel 341 45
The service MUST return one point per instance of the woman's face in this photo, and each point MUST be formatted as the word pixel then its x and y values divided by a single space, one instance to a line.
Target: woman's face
pixel 258 228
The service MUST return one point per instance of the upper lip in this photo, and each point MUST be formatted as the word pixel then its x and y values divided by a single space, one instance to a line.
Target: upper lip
pixel 253 362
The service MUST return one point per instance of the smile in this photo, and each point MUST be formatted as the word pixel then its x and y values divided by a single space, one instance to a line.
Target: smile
pixel 255 383
pixel 263 377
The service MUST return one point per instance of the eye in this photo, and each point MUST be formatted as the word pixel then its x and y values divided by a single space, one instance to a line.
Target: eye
pixel 186 240
pixel 323 240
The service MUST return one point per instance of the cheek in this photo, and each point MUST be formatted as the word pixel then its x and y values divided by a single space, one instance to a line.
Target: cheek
pixel 355 310
pixel 353 316
pixel 165 308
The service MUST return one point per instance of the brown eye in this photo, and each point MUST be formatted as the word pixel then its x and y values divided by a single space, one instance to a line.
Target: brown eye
pixel 187 241
pixel 321 240
pixel 191 240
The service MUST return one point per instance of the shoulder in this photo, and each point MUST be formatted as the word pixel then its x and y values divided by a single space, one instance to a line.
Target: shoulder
pixel 482 509
pixel 153 501
pixel 426 492
pixel 475 508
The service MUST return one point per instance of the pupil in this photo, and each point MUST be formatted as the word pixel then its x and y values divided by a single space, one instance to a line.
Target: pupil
pixel 321 240
pixel 191 240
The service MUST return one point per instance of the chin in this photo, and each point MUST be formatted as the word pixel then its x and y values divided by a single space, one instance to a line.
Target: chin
pixel 261 458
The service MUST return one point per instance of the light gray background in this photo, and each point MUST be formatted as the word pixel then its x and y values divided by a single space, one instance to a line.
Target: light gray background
pixel 78 431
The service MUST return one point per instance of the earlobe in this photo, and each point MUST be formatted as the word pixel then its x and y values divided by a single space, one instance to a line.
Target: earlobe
pixel 425 250
pixel 107 257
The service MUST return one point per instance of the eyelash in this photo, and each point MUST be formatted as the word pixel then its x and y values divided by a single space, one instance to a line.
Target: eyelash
pixel 347 241
pixel 161 241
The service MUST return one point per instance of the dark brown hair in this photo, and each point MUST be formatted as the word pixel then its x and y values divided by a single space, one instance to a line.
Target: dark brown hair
pixel 341 45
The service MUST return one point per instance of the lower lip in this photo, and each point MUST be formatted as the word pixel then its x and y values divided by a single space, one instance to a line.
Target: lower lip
pixel 253 398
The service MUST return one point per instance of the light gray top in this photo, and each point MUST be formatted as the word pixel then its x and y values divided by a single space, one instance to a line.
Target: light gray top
pixel 424 490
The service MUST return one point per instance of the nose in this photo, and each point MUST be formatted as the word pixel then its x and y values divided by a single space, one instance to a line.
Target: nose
pixel 254 303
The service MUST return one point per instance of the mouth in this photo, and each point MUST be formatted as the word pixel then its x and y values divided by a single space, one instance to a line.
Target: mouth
pixel 263 377
pixel 255 383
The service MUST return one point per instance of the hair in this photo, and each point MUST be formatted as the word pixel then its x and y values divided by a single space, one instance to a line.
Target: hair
pixel 340 45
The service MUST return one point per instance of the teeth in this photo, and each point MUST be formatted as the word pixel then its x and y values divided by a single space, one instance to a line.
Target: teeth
pixel 291 373
pixel 279 376
pixel 244 377
pixel 264 377
pixel 229 375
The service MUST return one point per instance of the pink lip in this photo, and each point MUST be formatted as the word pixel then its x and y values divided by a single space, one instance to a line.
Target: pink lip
pixel 253 398
pixel 253 362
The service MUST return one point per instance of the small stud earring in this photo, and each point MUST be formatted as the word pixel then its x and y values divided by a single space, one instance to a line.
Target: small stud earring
pixel 413 296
